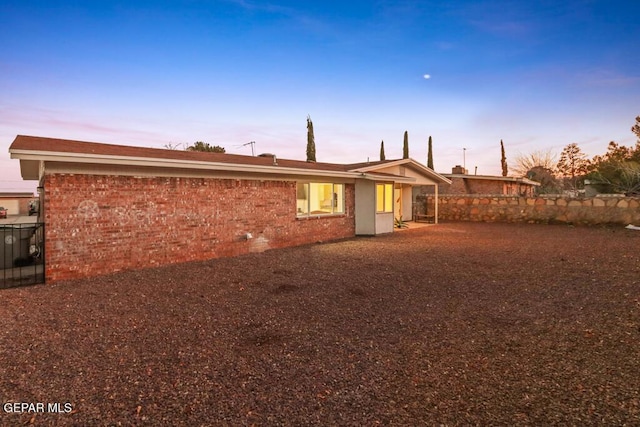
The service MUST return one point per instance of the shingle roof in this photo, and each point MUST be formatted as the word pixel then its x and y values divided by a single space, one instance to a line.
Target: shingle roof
pixel 42 144
pixel 53 149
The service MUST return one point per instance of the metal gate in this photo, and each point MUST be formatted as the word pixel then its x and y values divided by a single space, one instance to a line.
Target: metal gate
pixel 21 254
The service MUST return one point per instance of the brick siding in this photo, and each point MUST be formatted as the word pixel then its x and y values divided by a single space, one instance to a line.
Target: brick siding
pixel 484 186
pixel 97 224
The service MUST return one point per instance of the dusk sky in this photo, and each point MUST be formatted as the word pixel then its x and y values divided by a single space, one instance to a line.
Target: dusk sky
pixel 536 74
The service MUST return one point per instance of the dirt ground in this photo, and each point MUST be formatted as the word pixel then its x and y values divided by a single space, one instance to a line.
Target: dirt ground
pixel 455 324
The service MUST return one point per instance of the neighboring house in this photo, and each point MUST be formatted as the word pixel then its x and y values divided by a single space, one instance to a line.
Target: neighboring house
pixel 16 203
pixel 109 207
pixel 460 182
pixel 463 183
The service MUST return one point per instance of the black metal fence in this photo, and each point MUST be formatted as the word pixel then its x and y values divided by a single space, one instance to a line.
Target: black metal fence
pixel 21 254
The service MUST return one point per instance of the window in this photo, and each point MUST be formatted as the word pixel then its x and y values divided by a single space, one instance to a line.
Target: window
pixel 319 198
pixel 384 197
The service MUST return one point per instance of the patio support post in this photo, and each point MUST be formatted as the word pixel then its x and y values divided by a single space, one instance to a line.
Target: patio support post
pixel 435 218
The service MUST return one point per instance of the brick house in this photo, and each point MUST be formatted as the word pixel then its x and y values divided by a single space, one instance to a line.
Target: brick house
pixel 460 182
pixel 463 183
pixel 109 207
pixel 17 203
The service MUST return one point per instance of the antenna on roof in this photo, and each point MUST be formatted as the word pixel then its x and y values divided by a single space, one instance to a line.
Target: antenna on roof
pixel 464 158
pixel 253 144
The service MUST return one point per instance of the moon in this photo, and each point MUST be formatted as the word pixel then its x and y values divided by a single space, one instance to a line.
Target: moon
pixel 427 76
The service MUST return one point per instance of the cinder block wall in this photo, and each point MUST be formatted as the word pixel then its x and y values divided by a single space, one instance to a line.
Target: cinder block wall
pixel 98 224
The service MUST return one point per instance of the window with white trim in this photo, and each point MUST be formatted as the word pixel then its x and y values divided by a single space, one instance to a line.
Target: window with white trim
pixel 319 198
pixel 384 198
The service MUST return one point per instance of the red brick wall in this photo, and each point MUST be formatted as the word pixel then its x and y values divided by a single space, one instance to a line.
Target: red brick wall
pixel 484 186
pixel 471 186
pixel 24 205
pixel 100 224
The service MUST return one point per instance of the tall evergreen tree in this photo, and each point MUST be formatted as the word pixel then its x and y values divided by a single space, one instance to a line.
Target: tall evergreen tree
pixel 573 165
pixel 503 160
pixel 382 156
pixel 405 147
pixel 311 143
pixel 430 154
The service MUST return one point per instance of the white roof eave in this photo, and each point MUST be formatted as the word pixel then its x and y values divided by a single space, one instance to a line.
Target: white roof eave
pixel 48 156
pixel 382 178
pixel 52 156
pixel 432 175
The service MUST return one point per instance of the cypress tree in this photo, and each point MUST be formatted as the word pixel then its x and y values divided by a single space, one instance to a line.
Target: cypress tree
pixel 311 143
pixel 430 154
pixel 503 160
pixel 405 147
pixel 382 156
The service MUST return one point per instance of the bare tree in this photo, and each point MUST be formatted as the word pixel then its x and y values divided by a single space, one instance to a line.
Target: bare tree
pixel 172 146
pixel 538 159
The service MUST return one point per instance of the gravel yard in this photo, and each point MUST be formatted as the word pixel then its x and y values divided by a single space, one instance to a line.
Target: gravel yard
pixel 454 324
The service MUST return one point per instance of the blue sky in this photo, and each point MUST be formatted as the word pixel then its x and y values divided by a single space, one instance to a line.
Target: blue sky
pixel 536 74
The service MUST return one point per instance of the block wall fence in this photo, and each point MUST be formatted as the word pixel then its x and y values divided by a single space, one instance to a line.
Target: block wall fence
pixel 542 209
pixel 98 224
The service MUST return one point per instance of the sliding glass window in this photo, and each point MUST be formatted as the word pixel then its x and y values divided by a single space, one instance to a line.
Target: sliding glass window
pixel 319 198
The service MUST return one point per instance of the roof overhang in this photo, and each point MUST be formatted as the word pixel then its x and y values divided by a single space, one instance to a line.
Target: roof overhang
pixel 387 178
pixel 513 179
pixel 38 155
pixel 421 169
pixel 29 169
pixel 31 162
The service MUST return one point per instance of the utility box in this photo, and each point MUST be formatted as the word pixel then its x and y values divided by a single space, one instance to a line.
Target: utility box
pixel 15 244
